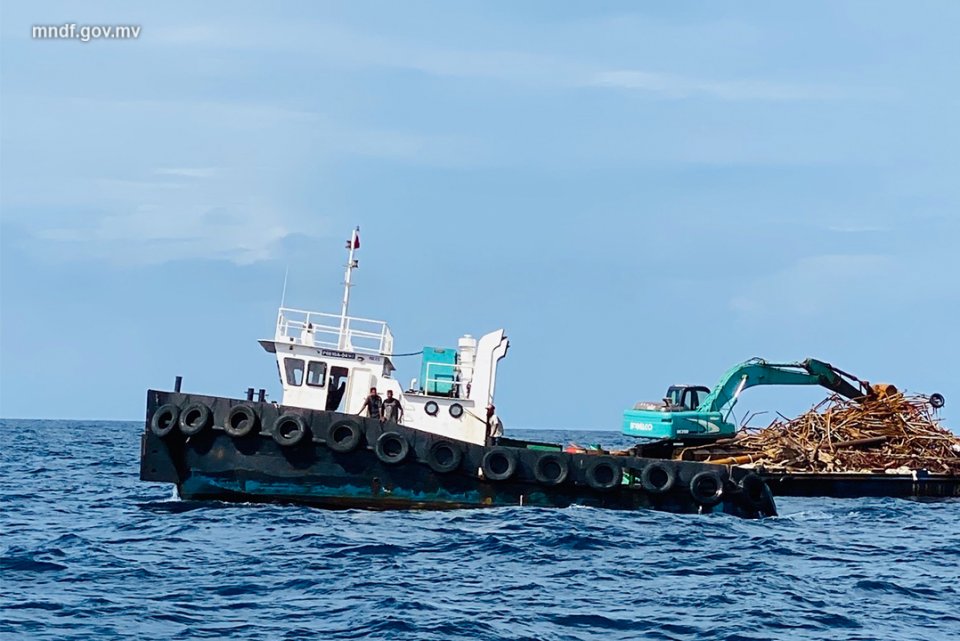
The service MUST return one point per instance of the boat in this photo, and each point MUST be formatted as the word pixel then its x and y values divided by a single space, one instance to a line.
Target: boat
pixel 320 446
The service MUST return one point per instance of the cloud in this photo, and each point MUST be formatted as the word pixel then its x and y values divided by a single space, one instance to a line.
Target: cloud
pixel 811 286
pixel 340 46
pixel 187 172
pixel 171 225
pixel 678 87
pixel 194 187
pixel 830 286
pixel 856 228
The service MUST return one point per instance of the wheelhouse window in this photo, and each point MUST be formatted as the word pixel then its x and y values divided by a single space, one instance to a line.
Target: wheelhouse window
pixel 316 373
pixel 293 368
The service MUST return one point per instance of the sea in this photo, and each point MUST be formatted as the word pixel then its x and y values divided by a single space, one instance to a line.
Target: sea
pixel 87 551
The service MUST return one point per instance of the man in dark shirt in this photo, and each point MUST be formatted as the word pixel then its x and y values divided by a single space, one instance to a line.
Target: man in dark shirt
pixel 392 410
pixel 373 405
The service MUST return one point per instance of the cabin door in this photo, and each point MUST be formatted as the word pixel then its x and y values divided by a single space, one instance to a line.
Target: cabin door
pixel 337 388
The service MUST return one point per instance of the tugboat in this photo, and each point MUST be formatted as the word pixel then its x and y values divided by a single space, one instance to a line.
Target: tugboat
pixel 316 448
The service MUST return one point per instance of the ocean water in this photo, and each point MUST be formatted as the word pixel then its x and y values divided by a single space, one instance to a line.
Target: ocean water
pixel 89 552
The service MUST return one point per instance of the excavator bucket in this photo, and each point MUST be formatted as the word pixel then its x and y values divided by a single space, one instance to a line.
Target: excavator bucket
pixel 883 390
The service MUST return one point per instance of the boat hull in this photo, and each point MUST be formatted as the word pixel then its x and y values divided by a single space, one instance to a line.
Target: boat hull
pixel 259 467
pixel 919 485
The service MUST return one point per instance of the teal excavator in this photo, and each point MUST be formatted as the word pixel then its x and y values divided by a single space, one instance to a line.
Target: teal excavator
pixel 693 413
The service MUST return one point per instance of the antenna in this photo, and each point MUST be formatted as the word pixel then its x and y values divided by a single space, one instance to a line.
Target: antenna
pixel 352 245
pixel 283 294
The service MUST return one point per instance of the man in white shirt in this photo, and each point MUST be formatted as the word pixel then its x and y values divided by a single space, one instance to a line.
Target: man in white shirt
pixel 494 425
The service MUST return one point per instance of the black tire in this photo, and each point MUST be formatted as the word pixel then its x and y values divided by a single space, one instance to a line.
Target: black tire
pixel 444 457
pixel 289 429
pixel 344 436
pixel 456 410
pixel 707 487
pixel 194 418
pixel 937 400
pixel 499 464
pixel 604 474
pixel 551 469
pixel 392 448
pixel 241 420
pixel 658 478
pixel 753 489
pixel 164 419
pixel 431 408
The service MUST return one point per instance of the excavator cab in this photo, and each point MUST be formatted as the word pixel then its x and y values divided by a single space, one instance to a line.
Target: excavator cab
pixel 686 397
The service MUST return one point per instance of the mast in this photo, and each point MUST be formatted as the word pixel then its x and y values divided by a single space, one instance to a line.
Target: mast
pixel 352 245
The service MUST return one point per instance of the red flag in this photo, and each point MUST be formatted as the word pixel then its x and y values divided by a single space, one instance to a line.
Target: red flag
pixel 356 239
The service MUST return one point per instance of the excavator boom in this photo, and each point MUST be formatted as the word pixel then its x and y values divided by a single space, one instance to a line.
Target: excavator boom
pixel 757 371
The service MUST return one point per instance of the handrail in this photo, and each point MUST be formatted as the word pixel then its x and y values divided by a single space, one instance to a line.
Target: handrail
pixel 456 382
pixel 309 328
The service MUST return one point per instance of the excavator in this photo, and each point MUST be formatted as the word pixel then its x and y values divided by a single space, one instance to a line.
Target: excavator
pixel 696 414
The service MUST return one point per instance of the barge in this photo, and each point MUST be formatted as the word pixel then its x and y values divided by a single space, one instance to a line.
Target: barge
pixel 915 484
pixel 864 441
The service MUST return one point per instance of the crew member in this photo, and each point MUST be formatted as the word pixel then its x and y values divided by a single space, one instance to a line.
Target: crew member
pixel 373 404
pixel 494 426
pixel 392 409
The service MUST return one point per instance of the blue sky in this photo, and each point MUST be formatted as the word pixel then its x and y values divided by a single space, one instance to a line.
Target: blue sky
pixel 640 193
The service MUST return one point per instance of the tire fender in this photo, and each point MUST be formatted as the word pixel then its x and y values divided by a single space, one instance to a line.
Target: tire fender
pixel 499 464
pixel 604 473
pixel 551 468
pixel 344 436
pixel 241 420
pixel 164 419
pixel 658 478
pixel 444 457
pixel 194 418
pixel 392 447
pixel 289 429
pixel 707 487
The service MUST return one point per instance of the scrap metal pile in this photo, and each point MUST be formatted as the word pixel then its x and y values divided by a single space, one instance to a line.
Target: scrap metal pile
pixel 890 433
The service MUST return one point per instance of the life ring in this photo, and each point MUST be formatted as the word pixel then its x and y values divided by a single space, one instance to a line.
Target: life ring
pixel 604 474
pixel 551 469
pixel 241 420
pixel 707 487
pixel 194 419
pixel 289 429
pixel 456 410
pixel 499 464
pixel 431 408
pixel 164 419
pixel 444 457
pixel 391 447
pixel 753 488
pixel 344 436
pixel 658 478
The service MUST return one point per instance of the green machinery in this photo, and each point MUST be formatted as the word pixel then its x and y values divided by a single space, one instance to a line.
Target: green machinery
pixel 696 413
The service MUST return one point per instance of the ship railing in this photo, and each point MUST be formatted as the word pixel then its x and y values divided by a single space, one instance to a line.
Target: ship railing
pixel 331 331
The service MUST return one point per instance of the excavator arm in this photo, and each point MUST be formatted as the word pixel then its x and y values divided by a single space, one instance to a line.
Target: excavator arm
pixel 757 371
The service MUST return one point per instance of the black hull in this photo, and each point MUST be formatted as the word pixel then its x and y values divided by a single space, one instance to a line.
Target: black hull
pixel 845 485
pixel 855 485
pixel 213 465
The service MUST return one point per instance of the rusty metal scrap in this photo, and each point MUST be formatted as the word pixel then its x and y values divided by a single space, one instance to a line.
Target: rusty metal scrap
pixel 894 432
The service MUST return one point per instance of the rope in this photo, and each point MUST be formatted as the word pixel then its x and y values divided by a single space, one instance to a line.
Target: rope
pixel 407 354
